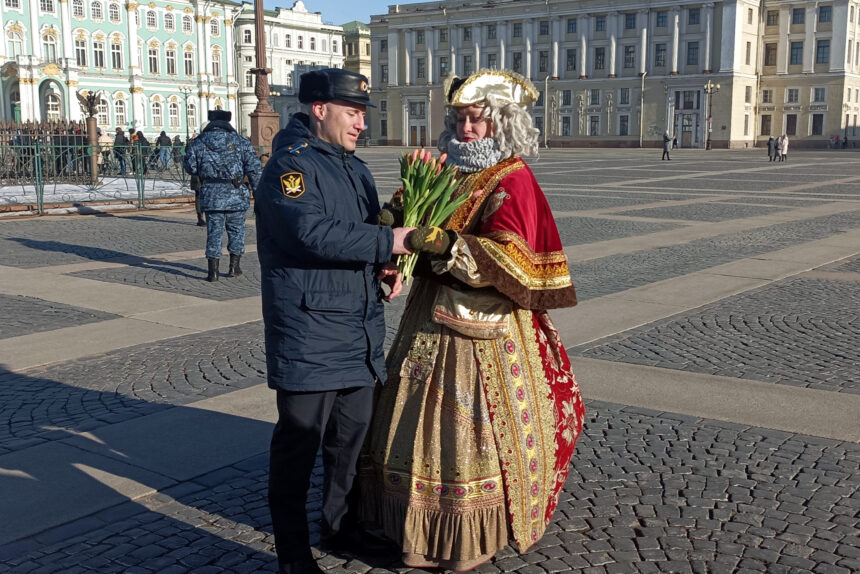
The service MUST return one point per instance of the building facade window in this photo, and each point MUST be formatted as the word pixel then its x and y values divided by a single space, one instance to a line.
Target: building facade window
pixel 214 28
pixel 192 116
pixel 301 43
pixel 15 44
pixel 119 112
pixel 153 60
pixel 46 6
pixel 187 24
pixel 419 37
pixel 544 28
pixel 798 15
pixel 767 96
pixel 383 73
pixel 114 13
pixel 825 14
pixel 747 94
pixel 116 56
pixel 96 11
pixel 543 61
pixel 693 16
pixel 770 54
pixel 566 97
pixel 662 18
pixel 16 4
pixel 659 55
pixel 692 53
pixel 81 52
pixel 594 125
pixel 766 125
pixel 169 22
pixel 491 31
pixel 151 20
pixel 249 79
pixel 467 34
pixel 796 55
pixel 77 8
pixel 624 97
pixel 624 125
pixel 173 115
pixel 629 56
pixel 791 125
pixel 49 48
pixel 188 58
pixel 594 97
pixel 492 61
pixel 571 25
pixel 565 126
pixel 630 21
pixel 570 59
pixel 216 65
pixel 517 30
pixel 157 118
pixel 517 62
pixel 773 17
pixel 99 54
pixel 246 37
pixel 467 65
pixel 822 52
pixel 420 68
pixel 819 95
pixel 792 96
pixel 313 44
pixel 443 39
pixel 748 54
pixel 288 41
pixel 599 58
pixel 443 66
pixel 170 60
pixel 600 23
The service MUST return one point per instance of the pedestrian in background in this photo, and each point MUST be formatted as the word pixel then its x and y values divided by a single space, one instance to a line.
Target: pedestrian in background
pixel 120 147
pixel 105 143
pixel 322 257
pixel 223 160
pixel 163 145
pixel 783 148
pixel 771 149
pixel 667 144
pixel 176 146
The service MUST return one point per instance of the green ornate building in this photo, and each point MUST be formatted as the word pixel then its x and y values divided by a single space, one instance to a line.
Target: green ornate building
pixel 159 66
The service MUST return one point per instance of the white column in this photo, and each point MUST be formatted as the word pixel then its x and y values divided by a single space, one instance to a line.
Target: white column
pixel 503 39
pixel 407 57
pixel 709 35
pixel 528 31
pixel 556 35
pixel 68 47
pixel 476 38
pixel 133 64
pixel 429 40
pixel 3 105
pixel 613 41
pixel 809 40
pixel 783 47
pixel 731 33
pixel 30 109
pixel 676 18
pixel 583 47
pixel 393 58
pixel 452 49
pixel 643 44
pixel 35 41
pixel 229 50
pixel 202 66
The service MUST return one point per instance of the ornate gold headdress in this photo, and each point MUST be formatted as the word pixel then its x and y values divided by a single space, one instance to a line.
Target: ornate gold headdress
pixel 502 85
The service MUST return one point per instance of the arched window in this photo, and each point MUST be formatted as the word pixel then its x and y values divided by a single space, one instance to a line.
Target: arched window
pixel 214 28
pixel 99 54
pixel 157 118
pixel 81 52
pixel 216 65
pixel 249 79
pixel 53 107
pixel 152 52
pixel 173 115
pixel 47 6
pixel 116 54
pixel 170 56
pixel 189 62
pixel 114 13
pixel 192 116
pixel 49 48
pixel 119 112
pixel 96 10
pixel 102 116
pixel 78 8
pixel 246 35
pixel 151 19
pixel 187 24
pixel 169 22
pixel 16 44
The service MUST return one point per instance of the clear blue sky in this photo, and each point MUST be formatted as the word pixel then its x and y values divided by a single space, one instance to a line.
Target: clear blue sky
pixel 339 11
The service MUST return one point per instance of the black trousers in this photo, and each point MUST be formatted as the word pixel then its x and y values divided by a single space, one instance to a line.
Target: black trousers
pixel 337 420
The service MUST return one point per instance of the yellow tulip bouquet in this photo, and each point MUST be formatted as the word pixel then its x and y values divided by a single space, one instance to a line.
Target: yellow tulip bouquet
pixel 428 188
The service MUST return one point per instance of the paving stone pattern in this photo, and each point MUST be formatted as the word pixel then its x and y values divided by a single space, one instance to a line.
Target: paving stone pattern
pixel 852 266
pixel 581 230
pixel 44 404
pixel 648 492
pixel 616 273
pixel 62 240
pixel 186 277
pixel 26 315
pixel 776 200
pixel 801 332
pixel 702 212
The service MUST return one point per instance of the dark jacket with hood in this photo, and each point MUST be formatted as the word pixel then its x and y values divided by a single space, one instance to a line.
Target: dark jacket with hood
pixel 222 158
pixel 320 251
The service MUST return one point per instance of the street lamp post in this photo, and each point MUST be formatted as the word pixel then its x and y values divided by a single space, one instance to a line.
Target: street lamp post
pixel 185 90
pixel 711 88
pixel 642 109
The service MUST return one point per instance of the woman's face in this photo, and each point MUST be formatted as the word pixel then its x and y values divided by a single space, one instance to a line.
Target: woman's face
pixel 471 126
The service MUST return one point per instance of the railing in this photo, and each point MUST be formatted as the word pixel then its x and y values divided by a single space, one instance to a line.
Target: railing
pixel 43 169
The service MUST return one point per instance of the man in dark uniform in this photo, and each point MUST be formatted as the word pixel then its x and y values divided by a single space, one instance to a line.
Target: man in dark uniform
pixel 223 160
pixel 323 259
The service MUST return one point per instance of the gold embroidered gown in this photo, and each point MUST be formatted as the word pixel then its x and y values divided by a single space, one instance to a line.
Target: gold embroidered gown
pixel 475 428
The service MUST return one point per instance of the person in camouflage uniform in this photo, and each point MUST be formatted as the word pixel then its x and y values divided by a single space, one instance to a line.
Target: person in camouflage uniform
pixel 223 160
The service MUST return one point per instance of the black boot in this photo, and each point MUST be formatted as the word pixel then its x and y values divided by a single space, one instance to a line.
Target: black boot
pixel 213 270
pixel 235 270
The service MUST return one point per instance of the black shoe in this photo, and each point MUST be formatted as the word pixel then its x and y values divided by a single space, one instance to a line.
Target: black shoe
pixel 200 221
pixel 213 270
pixel 307 566
pixel 358 543
pixel 234 270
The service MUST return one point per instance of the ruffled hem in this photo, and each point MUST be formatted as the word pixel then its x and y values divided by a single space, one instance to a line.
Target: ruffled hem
pixel 436 537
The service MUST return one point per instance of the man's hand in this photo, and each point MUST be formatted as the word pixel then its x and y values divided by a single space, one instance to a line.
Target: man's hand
pixel 391 277
pixel 400 235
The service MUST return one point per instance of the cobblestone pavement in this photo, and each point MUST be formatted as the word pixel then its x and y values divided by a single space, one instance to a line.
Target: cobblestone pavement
pixel 185 277
pixel 607 275
pixel 25 315
pixel 62 240
pixel 49 403
pixel 648 492
pixel 801 332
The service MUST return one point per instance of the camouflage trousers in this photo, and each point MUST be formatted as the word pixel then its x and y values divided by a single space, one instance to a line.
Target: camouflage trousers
pixel 216 221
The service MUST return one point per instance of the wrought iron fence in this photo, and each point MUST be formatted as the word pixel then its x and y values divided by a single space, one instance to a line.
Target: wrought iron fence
pixel 50 164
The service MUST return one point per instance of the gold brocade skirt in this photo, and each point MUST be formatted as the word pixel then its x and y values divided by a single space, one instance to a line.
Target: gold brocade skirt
pixel 461 452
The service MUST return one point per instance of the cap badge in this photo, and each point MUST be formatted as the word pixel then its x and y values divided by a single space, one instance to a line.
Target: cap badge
pixel 363 86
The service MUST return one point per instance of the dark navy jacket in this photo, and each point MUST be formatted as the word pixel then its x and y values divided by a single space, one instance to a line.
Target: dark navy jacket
pixel 320 251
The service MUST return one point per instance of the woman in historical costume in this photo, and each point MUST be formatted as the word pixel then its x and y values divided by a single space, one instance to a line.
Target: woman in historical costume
pixel 475 427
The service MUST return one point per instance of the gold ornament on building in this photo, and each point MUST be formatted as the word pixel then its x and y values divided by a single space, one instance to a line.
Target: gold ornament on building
pixel 137 90
pixel 131 6
pixel 51 69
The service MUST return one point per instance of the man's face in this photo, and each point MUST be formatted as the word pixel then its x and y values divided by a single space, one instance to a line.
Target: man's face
pixel 339 122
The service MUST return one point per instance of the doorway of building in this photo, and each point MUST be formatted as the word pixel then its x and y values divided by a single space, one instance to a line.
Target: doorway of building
pixel 417 135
